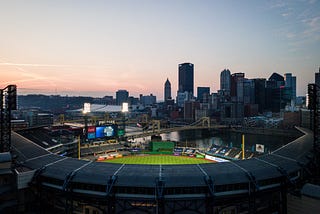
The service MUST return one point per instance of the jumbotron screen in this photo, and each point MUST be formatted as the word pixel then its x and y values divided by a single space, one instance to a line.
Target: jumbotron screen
pixel 102 131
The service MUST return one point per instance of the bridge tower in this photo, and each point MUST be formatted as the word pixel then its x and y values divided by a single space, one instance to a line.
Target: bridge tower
pixel 206 121
pixel 61 119
pixel 156 125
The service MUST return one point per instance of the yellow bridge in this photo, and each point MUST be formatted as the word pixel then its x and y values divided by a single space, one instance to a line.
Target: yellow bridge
pixel 203 123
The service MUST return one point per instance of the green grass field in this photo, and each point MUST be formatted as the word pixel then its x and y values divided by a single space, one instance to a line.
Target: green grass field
pixel 158 159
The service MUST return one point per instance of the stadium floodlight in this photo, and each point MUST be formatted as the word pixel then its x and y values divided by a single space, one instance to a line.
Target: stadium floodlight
pixel 125 107
pixel 86 108
pixel 124 110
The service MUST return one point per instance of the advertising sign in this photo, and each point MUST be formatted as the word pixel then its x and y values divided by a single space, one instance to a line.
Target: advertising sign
pixel 209 157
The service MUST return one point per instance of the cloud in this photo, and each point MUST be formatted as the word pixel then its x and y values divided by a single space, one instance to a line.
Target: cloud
pixel 290 35
pixel 53 65
pixel 312 1
pixel 27 76
pixel 300 22
pixel 285 14
pixel 312 27
pixel 31 65
pixel 278 4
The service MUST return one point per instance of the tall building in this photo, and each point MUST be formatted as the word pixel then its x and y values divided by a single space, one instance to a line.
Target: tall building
pixel 225 80
pixel 288 80
pixel 294 88
pixel 248 91
pixel 232 102
pixel 182 97
pixel 250 108
pixel 290 84
pixel 203 94
pixel 317 78
pixel 148 100
pixel 260 94
pixel 121 97
pixel 275 81
pixel 186 80
pixel 275 92
pixel 133 101
pixel 167 90
pixel 190 108
pixel 236 87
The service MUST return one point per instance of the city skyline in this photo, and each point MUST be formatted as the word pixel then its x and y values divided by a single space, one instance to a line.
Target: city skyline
pixel 96 48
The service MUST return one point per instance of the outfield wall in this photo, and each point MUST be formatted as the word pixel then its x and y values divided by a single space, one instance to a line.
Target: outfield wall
pixel 161 146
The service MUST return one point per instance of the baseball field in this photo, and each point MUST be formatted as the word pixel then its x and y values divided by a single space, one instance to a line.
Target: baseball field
pixel 157 159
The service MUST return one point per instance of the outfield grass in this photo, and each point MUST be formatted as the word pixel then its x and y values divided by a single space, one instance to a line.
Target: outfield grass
pixel 158 159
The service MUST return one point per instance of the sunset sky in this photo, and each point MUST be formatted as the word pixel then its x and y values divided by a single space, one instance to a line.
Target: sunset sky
pixel 97 47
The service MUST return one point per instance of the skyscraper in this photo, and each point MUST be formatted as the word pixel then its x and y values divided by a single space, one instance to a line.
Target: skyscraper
pixel 225 80
pixel 186 78
pixel 248 91
pixel 203 94
pixel 290 84
pixel 121 96
pixel 236 87
pixel 288 80
pixel 167 90
pixel 317 78
pixel 260 94
pixel 294 88
pixel 237 95
pixel 275 93
pixel 148 100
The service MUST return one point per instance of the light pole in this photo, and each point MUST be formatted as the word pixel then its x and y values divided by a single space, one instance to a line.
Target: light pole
pixel 125 109
pixel 86 110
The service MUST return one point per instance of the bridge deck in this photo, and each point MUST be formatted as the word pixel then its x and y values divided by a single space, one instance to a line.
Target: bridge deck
pixel 174 129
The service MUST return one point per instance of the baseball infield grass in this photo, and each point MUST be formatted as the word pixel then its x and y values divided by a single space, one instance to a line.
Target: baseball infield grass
pixel 158 159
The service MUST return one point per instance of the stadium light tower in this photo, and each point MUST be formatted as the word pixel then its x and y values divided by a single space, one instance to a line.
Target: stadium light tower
pixel 125 109
pixel 86 110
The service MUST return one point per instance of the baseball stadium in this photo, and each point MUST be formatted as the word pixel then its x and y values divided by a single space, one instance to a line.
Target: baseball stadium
pixel 255 185
pixel 50 182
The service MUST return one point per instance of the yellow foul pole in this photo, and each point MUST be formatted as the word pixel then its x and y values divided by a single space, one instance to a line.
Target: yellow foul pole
pixel 243 147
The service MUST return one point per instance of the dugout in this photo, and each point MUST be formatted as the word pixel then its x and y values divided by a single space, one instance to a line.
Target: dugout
pixel 162 146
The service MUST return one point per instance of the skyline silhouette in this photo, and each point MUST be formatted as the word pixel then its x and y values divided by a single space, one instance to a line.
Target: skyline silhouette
pixel 95 48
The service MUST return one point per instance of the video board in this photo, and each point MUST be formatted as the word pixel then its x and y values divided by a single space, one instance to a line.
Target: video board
pixel 104 131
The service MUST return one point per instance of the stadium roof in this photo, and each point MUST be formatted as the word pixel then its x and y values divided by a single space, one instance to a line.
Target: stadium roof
pixel 5 157
pixel 311 190
pixel 275 165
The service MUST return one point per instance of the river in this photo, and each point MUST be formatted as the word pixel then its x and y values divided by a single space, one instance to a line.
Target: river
pixel 204 139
